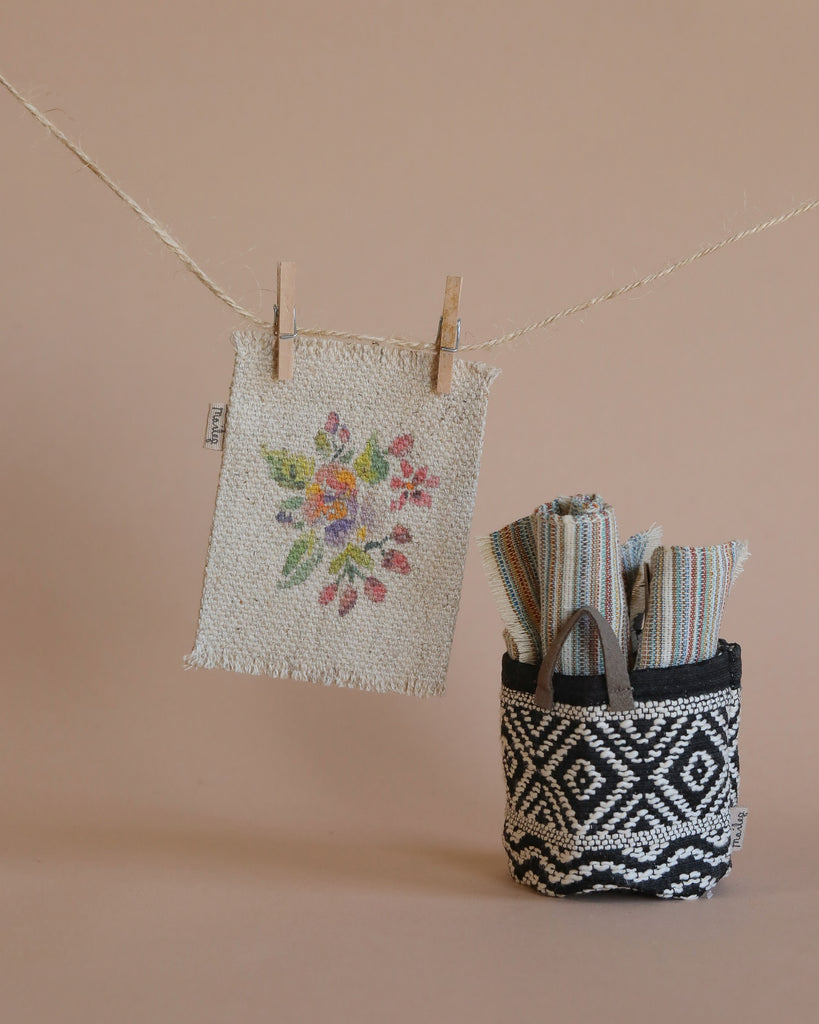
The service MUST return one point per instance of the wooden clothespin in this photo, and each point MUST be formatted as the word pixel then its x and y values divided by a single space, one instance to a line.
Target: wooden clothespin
pixel 286 331
pixel 449 335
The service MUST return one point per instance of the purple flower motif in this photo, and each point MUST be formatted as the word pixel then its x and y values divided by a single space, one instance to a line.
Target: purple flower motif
pixel 370 517
pixel 284 517
pixel 336 532
pixel 332 502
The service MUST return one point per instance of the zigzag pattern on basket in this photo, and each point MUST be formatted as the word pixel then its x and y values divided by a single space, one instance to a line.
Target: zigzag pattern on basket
pixel 685 869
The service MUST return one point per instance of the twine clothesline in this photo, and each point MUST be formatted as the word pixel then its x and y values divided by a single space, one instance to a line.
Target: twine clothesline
pixel 187 260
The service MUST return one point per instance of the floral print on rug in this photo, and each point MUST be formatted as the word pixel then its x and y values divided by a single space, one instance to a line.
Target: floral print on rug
pixel 343 506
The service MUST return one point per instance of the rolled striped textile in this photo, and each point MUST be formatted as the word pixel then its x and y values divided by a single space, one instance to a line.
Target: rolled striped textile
pixel 579 563
pixel 686 598
pixel 509 557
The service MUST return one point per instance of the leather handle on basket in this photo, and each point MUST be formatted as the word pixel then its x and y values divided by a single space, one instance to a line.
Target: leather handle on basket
pixel 618 683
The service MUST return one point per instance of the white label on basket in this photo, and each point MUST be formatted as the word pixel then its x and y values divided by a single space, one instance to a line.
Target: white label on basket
pixel 215 429
pixel 739 820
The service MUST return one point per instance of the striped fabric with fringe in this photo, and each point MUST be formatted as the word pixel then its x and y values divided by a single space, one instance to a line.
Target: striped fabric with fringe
pixel 510 561
pixel 686 598
pixel 509 557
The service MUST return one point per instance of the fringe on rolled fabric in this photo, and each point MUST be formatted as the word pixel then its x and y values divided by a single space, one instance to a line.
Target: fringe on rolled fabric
pixel 579 563
pixel 741 550
pixel 638 549
pixel 510 563
pixel 686 600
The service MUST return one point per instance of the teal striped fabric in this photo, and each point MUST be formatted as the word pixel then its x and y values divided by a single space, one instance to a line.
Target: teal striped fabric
pixel 664 603
pixel 509 558
pixel 686 597
pixel 511 564
pixel 579 563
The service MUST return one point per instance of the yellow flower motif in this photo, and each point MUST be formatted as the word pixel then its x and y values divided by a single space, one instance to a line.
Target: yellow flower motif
pixel 361 534
pixel 344 478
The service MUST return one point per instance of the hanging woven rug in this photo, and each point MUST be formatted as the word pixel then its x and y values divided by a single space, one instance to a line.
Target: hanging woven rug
pixel 342 516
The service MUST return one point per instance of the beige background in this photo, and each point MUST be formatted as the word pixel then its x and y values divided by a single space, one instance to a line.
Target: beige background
pixel 204 847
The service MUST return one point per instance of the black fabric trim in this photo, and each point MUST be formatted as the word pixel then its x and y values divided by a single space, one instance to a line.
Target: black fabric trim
pixel 723 671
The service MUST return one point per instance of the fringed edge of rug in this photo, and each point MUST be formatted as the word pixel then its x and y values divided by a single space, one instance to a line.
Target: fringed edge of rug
pixel 215 659
pixel 740 549
pixel 522 647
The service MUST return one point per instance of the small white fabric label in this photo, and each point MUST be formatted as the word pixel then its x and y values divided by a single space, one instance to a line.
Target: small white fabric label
pixel 215 429
pixel 739 820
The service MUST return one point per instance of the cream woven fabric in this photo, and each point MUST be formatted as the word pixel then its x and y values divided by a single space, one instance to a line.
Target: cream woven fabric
pixel 342 516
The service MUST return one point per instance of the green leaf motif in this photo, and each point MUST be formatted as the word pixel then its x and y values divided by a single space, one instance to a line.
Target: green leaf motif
pixel 323 446
pixel 291 471
pixel 371 465
pixel 337 563
pixel 301 547
pixel 354 554
pixel 301 572
pixel 359 555
pixel 291 503
pixel 302 558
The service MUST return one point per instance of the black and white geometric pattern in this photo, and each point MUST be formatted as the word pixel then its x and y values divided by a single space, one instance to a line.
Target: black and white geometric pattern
pixel 635 800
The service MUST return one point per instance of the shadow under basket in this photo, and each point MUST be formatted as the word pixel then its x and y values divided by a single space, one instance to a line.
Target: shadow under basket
pixel 622 781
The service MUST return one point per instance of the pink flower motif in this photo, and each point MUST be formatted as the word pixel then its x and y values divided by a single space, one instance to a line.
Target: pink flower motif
pixel 374 589
pixel 344 435
pixel 401 535
pixel 395 561
pixel 412 485
pixel 328 594
pixel 346 603
pixel 401 445
pixel 331 426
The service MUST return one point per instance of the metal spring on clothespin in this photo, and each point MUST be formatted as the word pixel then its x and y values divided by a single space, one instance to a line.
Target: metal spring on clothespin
pixel 285 309
pixel 449 335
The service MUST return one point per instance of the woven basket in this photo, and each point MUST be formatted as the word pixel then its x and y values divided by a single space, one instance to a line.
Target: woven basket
pixel 620 781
